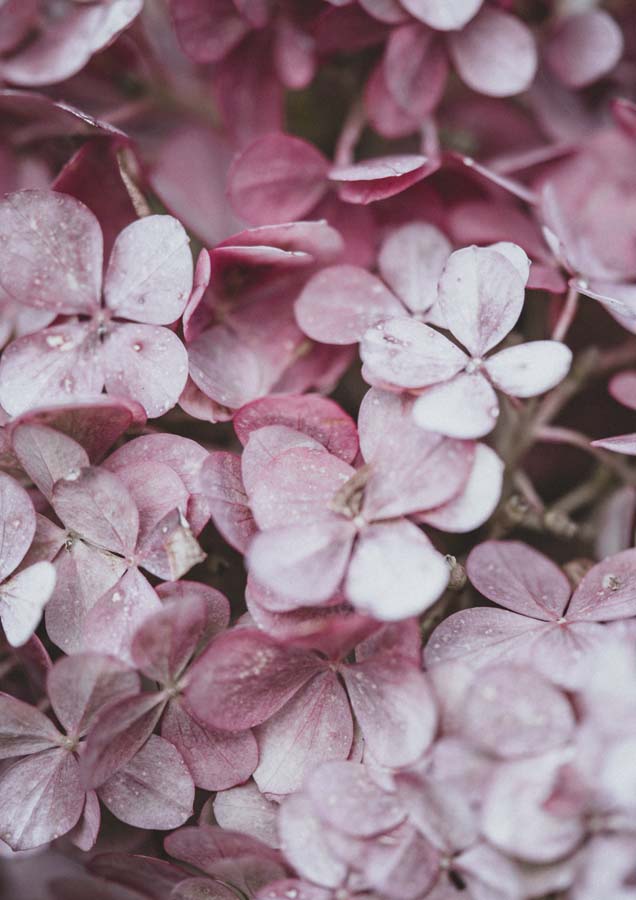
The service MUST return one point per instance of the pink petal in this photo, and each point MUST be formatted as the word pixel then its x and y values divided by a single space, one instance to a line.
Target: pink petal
pixel 512 711
pixel 46 455
pixel 86 832
pixel 607 592
pixel 394 707
pixel 481 296
pixel 584 47
pixel 147 363
pixel 389 11
pixel 381 177
pixel 305 563
pixel 195 888
pixel 624 443
pixel 243 808
pixel 46 265
pixel 223 490
pixel 61 364
pixel 154 790
pixel 146 874
pixel 216 759
pixel 409 354
pixel 18 518
pixel 294 54
pixel 208 31
pixel 415 69
pixel 42 798
pixel 264 445
pixel 411 261
pixel 622 387
pixel 280 890
pixel 165 642
pixel 314 726
pixel 22 600
pixel 519 578
pixel 278 178
pixel 244 677
pixel 319 417
pixel 526 370
pixel 226 368
pixel 96 505
pixel 303 842
pixel 395 572
pixel 206 846
pixel 149 276
pixel 386 117
pixel 495 54
pixel 443 15
pixel 464 407
pixel 156 490
pixel 479 498
pixel 81 685
pixel 24 729
pixel 347 798
pixel 339 303
pixel 216 603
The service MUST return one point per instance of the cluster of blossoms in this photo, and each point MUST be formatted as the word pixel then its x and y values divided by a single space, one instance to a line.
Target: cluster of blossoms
pixel 317 512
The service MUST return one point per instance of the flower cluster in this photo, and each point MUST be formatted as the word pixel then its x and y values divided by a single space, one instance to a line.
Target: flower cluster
pixel 317 507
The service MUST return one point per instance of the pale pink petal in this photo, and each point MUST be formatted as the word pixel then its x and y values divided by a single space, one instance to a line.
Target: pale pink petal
pixel 519 578
pixel 86 832
pixel 44 264
pixel 409 354
pixel 149 276
pixel 146 875
pixel 516 255
pixel 479 498
pixel 217 760
pixel 395 572
pixel 244 677
pixel 41 799
pixel 208 31
pixel 294 54
pixel 96 504
pixel 22 601
pixel 622 387
pixel 481 296
pixel 394 706
pixel 526 370
pixel 226 368
pixel 165 642
pixel 80 686
pixel 319 417
pixel 24 729
pixel 512 711
pixel 154 790
pixel 339 303
pixel 18 518
pixel 415 69
pixel 495 54
pixel 389 11
pixel 443 15
pixel 61 364
pixel 464 407
pixel 381 177
pixel 264 445
pixel 607 592
pixel 280 890
pixel 243 808
pixel 46 455
pixel 206 846
pixel 216 603
pixel 303 842
pixel 147 363
pixel 156 490
pixel 278 178
pixel 411 261
pixel 624 443
pixel 314 726
pixel 584 47
pixel 386 117
pixel 306 563
pixel 223 490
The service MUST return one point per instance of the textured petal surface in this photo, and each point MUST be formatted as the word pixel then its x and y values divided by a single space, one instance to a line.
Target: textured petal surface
pixel 529 369
pixel 303 842
pixel 243 808
pixel 475 504
pixel 22 601
pixel 24 729
pixel 222 486
pixel 18 524
pixel 464 407
pixel 411 261
pixel 46 455
pixel 380 178
pixel 607 592
pixel 346 797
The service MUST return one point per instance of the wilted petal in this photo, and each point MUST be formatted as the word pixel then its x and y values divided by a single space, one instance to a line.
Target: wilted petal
pixel 339 303
pixel 154 790
pixel 46 455
pixel 495 54
pixel 18 518
pixel 583 47
pixel 443 15
pixel 607 592
pixel 477 501
pixel 411 261
pixel 395 572
pixel 22 600
pixel 526 370
pixel 223 489
pixel 24 729
pixel 464 407
pixel 243 808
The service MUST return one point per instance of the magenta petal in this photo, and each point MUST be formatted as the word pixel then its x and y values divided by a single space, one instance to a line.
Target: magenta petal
pixel 303 842
pixel 347 798
pixel 217 760
pixel 584 47
pixel 269 674
pixel 607 592
pixel 409 354
pixel 526 370
pixel 22 600
pixel 61 364
pixel 479 498
pixel 339 303
pixel 519 578
pixel 42 798
pixel 495 54
pixel 243 808
pixel 80 686
pixel 394 706
pixel 395 572
pixel 316 416
pixel 45 265
pixel 154 790
pixel 443 15
pixel 18 517
pixel 24 729
pixel 96 505
pixel 278 178
pixel 46 455
pixel 314 726
pixel 411 261
pixel 481 296
pixel 381 177
pixel 415 69
pixel 147 363
pixel 149 276
pixel 464 407
pixel 222 487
